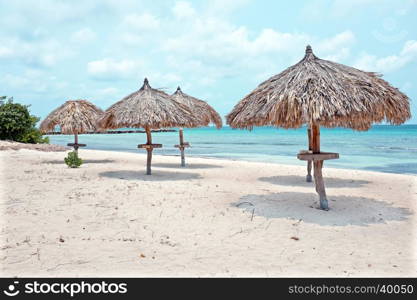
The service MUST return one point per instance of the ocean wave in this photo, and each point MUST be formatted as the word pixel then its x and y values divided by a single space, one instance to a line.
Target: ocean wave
pixel 394 148
pixel 246 143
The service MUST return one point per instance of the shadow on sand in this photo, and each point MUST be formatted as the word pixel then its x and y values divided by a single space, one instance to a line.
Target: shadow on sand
pixel 156 175
pixel 187 166
pixel 85 161
pixel 344 210
pixel 330 182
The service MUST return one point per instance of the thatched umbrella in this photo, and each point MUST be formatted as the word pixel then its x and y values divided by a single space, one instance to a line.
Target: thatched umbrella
pixel 318 93
pixel 201 110
pixel 147 108
pixel 74 117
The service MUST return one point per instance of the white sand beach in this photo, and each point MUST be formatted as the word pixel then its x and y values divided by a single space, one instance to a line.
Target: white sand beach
pixel 109 219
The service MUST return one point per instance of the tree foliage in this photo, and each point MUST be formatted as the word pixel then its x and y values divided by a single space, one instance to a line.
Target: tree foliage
pixel 17 124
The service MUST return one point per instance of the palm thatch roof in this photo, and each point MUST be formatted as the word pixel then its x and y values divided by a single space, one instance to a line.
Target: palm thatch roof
pixel 147 107
pixel 74 116
pixel 201 109
pixel 322 92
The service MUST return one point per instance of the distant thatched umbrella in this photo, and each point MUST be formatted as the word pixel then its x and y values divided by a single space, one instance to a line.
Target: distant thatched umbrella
pixel 147 108
pixel 73 117
pixel 318 93
pixel 201 110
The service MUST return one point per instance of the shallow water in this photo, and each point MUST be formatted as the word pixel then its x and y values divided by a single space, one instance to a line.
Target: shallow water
pixel 383 148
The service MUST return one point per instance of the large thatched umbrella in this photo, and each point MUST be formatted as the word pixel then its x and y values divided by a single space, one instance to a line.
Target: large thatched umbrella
pixel 201 110
pixel 147 108
pixel 74 117
pixel 318 93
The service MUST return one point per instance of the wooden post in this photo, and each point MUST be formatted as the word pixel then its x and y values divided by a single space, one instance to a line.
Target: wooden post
pixel 309 162
pixel 315 138
pixel 182 147
pixel 149 151
pixel 318 165
pixel 76 142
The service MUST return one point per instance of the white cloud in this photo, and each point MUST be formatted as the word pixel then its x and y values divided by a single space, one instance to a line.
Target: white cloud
pixel 335 43
pixel 15 81
pixel 389 63
pixel 222 7
pixel 341 8
pixel 24 13
pixel 336 48
pixel 166 77
pixel 39 53
pixel 108 91
pixel 210 38
pixel 108 68
pixel 32 81
pixel 339 55
pixel 132 39
pixel 410 49
pixel 83 35
pixel 145 21
pixel 213 48
pixel 5 52
pixel 335 9
pixel 270 40
pixel 215 40
pixel 183 9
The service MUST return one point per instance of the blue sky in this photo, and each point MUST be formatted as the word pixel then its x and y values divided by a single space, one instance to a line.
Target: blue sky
pixel 100 50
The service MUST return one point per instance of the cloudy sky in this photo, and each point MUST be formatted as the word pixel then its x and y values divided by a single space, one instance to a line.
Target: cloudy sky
pixel 217 50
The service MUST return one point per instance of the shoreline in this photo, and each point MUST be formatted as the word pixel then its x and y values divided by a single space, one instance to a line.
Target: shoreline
pixel 358 150
pixel 188 155
pixel 301 165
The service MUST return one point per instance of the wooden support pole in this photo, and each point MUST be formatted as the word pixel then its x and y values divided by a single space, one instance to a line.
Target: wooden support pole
pixel 149 151
pixel 320 189
pixel 309 163
pixel 318 165
pixel 182 148
pixel 76 142
pixel 315 139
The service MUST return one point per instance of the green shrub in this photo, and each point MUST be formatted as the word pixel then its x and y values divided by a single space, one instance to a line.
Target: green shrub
pixel 34 136
pixel 17 124
pixel 72 160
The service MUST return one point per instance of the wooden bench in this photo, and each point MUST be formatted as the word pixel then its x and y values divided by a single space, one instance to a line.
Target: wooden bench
pixel 184 145
pixel 76 145
pixel 309 155
pixel 149 146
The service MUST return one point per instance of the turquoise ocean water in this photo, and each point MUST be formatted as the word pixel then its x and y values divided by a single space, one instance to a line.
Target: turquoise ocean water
pixel 383 148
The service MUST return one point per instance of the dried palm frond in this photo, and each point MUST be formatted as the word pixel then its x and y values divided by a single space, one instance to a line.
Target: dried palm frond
pixel 74 116
pixel 201 109
pixel 147 108
pixel 321 92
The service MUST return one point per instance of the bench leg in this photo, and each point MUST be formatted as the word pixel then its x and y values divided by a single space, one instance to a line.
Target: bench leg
pixel 309 177
pixel 182 157
pixel 149 162
pixel 149 151
pixel 181 134
pixel 320 189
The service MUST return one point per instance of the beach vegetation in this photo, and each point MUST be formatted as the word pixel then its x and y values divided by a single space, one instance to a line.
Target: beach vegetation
pixel 72 160
pixel 17 124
